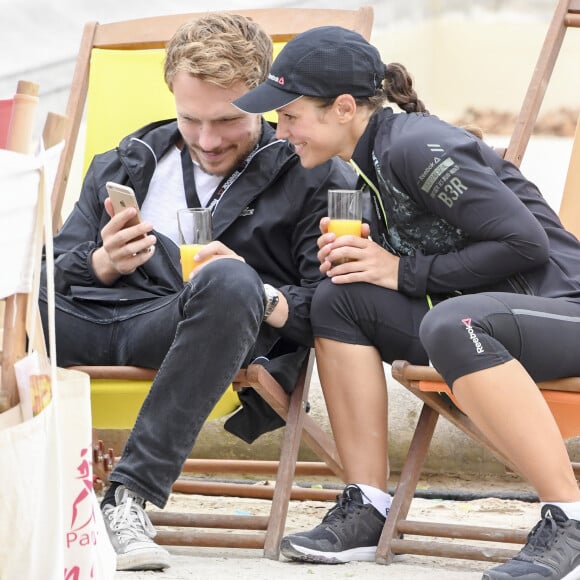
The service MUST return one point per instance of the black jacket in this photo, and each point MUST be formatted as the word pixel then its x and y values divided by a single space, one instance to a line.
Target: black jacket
pixel 462 218
pixel 269 215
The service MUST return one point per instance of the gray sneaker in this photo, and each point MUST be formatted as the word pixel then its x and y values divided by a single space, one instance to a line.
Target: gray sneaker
pixel 552 551
pixel 131 533
pixel 350 531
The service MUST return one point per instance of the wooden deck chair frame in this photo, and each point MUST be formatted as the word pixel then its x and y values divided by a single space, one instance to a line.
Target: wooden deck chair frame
pixel 282 24
pixel 428 385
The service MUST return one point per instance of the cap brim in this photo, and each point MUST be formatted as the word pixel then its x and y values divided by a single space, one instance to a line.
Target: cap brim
pixel 264 98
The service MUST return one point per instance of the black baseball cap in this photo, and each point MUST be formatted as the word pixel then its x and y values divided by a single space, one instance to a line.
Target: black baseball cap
pixel 322 62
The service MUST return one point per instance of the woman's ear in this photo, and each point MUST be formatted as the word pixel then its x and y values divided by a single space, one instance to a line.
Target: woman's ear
pixel 345 107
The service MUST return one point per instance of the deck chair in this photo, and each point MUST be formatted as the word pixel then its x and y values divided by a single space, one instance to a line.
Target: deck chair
pixel 562 396
pixel 141 43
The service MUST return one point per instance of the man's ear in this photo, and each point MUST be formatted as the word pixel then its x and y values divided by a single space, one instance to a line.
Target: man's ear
pixel 345 107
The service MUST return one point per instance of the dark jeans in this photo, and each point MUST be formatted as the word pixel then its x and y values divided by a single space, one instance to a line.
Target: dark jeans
pixel 198 340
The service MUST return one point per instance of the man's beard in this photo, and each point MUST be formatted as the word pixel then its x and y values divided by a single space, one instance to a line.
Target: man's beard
pixel 224 171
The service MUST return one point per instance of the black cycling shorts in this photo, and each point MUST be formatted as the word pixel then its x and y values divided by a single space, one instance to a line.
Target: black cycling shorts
pixel 460 335
pixel 366 314
pixel 478 331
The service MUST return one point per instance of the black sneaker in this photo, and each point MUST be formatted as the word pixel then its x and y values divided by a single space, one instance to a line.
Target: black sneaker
pixel 552 551
pixel 349 531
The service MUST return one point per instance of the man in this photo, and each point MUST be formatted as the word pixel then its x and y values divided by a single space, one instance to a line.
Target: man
pixel 120 296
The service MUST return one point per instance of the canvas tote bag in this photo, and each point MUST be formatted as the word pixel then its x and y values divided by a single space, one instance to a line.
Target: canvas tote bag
pixel 51 525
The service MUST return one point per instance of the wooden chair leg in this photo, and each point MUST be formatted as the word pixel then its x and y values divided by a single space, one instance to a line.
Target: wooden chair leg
pixel 407 482
pixel 268 530
pixel 288 458
pixel 312 434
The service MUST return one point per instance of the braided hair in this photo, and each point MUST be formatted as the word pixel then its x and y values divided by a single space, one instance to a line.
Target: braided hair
pixel 398 89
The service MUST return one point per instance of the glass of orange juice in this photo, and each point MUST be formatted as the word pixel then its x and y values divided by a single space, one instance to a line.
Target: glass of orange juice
pixel 194 225
pixel 345 212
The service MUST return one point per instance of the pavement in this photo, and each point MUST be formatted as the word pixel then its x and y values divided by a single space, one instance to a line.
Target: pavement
pixel 221 564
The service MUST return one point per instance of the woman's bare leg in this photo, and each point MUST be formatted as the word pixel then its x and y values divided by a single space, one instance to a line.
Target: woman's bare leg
pixel 507 406
pixel 355 390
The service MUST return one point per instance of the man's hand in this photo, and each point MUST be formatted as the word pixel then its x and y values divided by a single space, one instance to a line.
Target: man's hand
pixel 125 248
pixel 367 260
pixel 213 251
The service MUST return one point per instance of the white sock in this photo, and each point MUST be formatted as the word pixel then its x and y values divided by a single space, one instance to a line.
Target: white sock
pixel 570 508
pixel 378 498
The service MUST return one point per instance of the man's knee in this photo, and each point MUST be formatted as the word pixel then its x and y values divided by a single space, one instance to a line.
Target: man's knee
pixel 227 285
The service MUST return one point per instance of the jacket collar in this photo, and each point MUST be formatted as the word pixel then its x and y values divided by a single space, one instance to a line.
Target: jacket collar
pixel 140 151
pixel 363 153
pixel 273 154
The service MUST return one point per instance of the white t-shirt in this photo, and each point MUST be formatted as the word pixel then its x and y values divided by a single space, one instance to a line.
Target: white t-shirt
pixel 166 193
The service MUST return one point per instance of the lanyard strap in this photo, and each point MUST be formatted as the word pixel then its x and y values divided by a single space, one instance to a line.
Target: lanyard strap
pixel 189 179
pixel 227 183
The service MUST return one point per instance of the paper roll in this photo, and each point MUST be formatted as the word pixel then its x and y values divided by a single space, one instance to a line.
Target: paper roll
pixel 22 119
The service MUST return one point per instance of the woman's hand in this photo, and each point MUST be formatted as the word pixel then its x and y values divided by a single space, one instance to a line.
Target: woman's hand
pixel 366 260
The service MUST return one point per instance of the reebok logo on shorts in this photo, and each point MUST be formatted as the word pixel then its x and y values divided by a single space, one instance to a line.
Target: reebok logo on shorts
pixel 473 336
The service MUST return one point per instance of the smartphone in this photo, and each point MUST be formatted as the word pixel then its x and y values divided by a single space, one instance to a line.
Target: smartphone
pixel 122 197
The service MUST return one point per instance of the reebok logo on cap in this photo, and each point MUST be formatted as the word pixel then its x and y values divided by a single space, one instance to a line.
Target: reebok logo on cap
pixel 279 80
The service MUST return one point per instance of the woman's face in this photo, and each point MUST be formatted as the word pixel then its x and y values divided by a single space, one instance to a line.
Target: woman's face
pixel 314 131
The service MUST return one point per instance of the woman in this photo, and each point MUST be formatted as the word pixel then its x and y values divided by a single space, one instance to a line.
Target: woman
pixel 464 264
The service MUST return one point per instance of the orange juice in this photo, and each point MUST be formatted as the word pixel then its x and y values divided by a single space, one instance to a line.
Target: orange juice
pixel 187 252
pixel 345 227
pixel 342 227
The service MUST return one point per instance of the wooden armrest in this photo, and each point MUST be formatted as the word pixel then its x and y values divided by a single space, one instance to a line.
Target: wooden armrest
pixel 569 384
pixel 404 371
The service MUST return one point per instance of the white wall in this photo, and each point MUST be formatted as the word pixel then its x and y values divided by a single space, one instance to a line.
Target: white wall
pixel 461 54
pixel 458 62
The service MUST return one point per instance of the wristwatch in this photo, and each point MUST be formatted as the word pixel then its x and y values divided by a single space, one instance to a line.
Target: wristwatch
pixel 272 299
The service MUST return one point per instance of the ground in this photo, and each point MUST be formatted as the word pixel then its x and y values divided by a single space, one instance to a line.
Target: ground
pixel 220 563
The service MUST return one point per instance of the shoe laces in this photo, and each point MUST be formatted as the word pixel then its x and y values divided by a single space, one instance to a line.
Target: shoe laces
pixel 130 522
pixel 541 537
pixel 346 503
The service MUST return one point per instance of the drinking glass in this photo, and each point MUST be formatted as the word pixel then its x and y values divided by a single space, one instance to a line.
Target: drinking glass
pixel 194 225
pixel 345 213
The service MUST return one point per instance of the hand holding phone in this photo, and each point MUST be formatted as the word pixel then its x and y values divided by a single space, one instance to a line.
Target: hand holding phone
pixel 118 255
pixel 123 197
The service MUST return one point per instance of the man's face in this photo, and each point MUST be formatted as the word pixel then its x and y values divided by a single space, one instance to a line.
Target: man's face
pixel 218 135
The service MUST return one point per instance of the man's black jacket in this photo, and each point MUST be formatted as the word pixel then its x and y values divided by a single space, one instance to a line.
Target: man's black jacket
pixel 269 215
